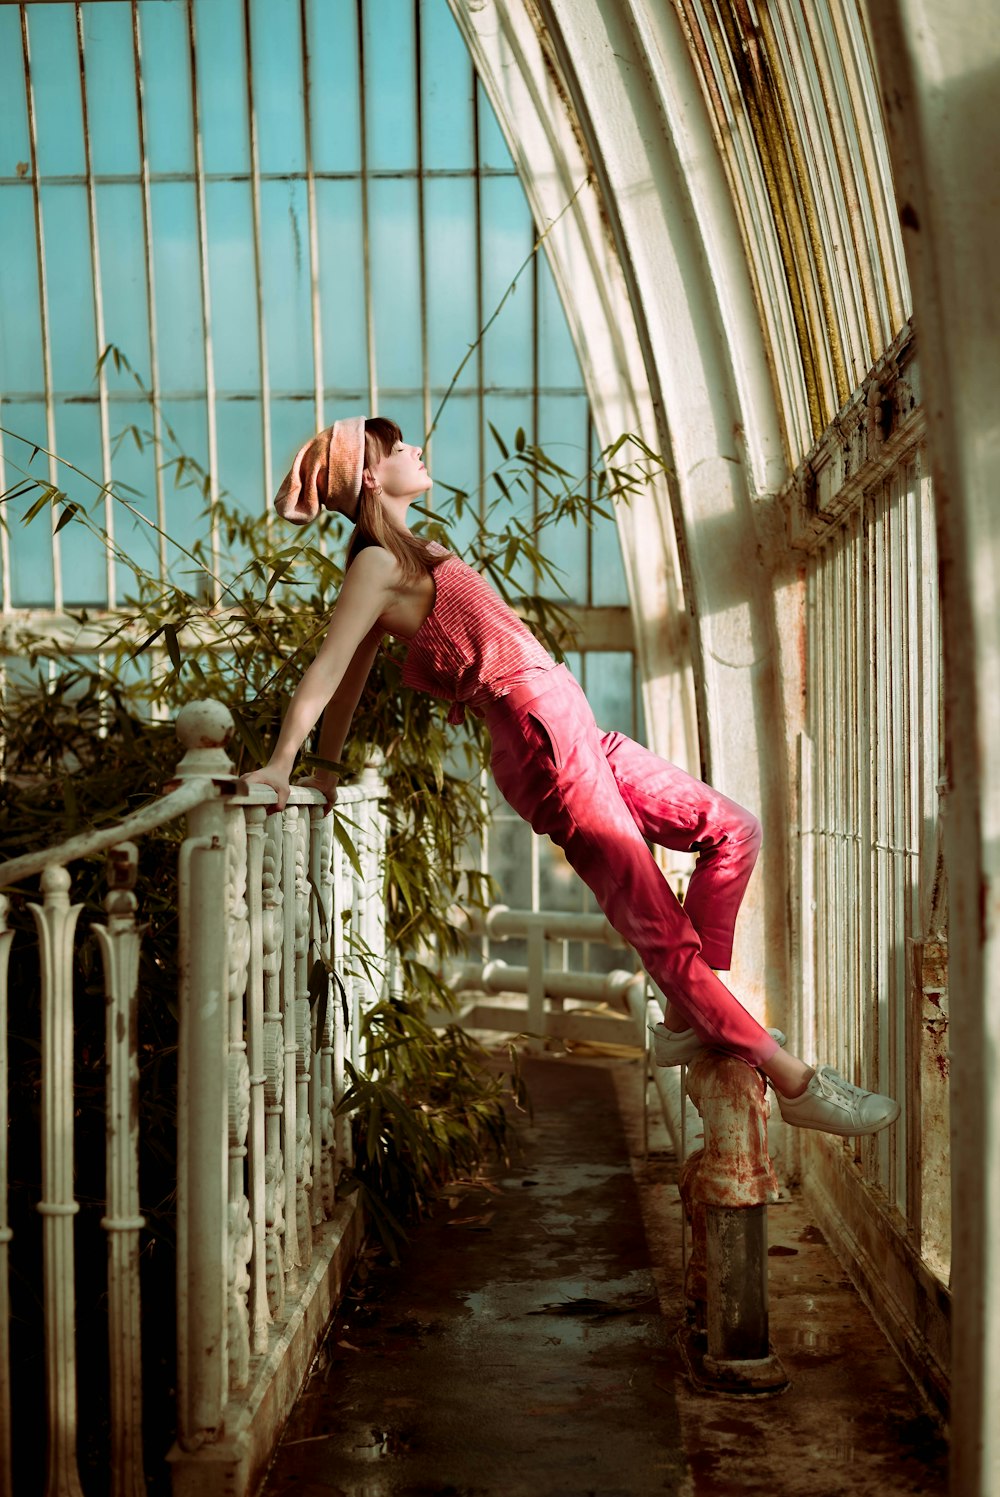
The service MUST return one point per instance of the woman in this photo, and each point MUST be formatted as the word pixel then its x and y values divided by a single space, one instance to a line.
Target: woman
pixel 597 795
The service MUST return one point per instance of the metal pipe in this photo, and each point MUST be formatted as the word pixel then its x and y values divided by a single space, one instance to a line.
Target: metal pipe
pixel 725 1189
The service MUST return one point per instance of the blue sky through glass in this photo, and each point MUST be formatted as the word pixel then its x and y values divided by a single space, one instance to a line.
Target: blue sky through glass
pixel 231 212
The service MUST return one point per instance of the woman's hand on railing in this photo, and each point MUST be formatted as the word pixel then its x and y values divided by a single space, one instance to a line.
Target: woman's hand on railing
pixel 276 779
pixel 324 784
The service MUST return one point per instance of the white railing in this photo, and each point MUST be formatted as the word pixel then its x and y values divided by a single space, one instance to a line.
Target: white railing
pixel 270 907
pixel 609 1009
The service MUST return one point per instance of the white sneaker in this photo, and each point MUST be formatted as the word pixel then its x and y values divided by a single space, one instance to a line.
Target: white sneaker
pixel 675 1047
pixel 833 1105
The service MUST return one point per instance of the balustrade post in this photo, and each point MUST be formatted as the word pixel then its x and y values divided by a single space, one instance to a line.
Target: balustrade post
pixel 240 1228
pixel 203 1237
pixel 6 1442
pixel 321 1095
pixel 303 1041
pixel 273 1066
pixel 119 946
pixel 343 1008
pixel 260 1314
pixel 371 841
pixel 289 912
pixel 55 921
pixel 725 1187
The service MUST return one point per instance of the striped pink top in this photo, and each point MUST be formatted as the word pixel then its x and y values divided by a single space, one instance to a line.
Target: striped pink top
pixel 471 648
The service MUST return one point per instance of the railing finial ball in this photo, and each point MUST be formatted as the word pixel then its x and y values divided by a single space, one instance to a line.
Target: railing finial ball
pixel 205 724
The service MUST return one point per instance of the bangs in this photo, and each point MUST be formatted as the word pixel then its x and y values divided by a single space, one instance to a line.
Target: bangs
pixel 381 435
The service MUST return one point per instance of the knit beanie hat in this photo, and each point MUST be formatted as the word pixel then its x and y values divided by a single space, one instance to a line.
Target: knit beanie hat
pixel 326 473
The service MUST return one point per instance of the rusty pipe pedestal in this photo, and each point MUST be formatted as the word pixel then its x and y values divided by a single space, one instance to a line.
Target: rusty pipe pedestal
pixel 725 1188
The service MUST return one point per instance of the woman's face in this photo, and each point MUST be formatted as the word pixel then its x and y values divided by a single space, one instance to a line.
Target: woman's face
pixel 401 473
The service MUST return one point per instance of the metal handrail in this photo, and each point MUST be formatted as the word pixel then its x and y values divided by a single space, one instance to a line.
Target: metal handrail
pixel 191 793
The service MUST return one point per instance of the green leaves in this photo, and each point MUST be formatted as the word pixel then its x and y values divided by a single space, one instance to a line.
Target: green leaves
pixel 239 619
pixel 428 1111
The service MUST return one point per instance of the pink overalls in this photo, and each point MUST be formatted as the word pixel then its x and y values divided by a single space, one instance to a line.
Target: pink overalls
pixel 598 796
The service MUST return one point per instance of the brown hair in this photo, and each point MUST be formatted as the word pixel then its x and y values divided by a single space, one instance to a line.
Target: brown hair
pixel 373 526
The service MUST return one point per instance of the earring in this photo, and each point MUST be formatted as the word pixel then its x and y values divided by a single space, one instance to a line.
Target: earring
pixel 377 491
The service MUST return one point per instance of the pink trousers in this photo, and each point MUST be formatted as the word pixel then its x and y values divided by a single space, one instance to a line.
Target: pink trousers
pixel 598 796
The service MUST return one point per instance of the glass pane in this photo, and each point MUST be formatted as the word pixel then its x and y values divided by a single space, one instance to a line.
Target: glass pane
pixel 233 283
pixel 563 433
pixel 20 324
pixel 342 287
pixel 178 286
pixel 609 689
pixel 507 413
pixel 334 104
pixel 277 84
pixel 184 503
pixel 134 469
pixel 241 455
pixel 31 545
pixel 608 588
pixel 396 284
pixel 557 360
pixel 15 147
pixel 287 303
pixel 510 865
pixel 222 85
pixel 389 79
pixel 69 287
pixel 493 150
pixel 120 233
pixel 55 82
pixel 109 56
pixel 166 79
pixel 293 422
pixel 508 235
pixel 448 82
pixel 78 438
pixel 453 460
pixel 452 310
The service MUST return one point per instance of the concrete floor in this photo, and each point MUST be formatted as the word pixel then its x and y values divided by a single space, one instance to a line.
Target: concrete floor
pixel 525 1347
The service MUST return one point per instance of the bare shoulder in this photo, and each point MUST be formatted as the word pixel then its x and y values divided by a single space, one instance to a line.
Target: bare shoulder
pixel 374 567
pixel 376 563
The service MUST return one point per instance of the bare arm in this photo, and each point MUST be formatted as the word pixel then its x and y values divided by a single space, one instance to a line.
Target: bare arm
pixel 367 591
pixel 342 705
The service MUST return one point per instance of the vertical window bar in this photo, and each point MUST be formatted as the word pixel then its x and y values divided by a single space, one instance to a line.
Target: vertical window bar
pixel 588 595
pixel 425 372
pixel 365 218
pixel 102 383
pixel 314 300
pixel 535 399
pixel 206 311
pixel 859 761
pixel 43 306
pixel 5 579
pixel 913 791
pixel 484 843
pixel 265 377
pixel 147 248
pixel 480 358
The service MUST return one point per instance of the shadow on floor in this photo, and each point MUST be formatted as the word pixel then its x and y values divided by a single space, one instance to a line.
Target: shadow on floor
pixel 525 1345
